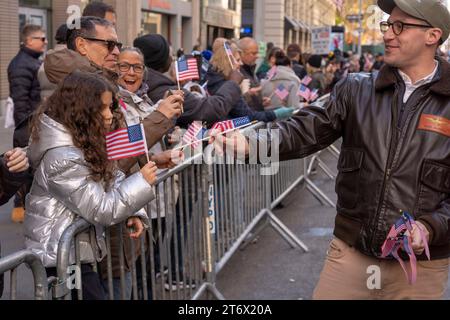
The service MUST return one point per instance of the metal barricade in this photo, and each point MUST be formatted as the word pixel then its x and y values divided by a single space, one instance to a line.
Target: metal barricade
pixel 203 213
pixel 32 260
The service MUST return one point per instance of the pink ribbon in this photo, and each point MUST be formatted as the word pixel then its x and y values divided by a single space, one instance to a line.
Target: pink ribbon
pixel 397 240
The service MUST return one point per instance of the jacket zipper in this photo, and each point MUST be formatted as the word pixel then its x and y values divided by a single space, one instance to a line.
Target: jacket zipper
pixel 397 136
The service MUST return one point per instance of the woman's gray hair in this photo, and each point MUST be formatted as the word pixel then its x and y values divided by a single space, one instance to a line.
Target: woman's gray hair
pixel 132 49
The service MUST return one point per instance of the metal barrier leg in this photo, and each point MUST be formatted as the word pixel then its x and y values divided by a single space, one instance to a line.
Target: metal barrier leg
pixel 286 233
pixel 314 189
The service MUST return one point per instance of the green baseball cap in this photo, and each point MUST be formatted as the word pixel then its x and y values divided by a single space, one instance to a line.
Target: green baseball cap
pixel 432 11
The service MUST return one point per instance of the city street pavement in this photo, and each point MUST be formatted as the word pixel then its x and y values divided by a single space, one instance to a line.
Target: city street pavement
pixel 267 269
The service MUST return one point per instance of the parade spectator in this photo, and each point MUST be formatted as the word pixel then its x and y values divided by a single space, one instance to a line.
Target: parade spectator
pixel 394 157
pixel 294 53
pixel 261 73
pixel 217 77
pixel 136 105
pixel 249 54
pixel 158 61
pixel 101 10
pixel 314 68
pixel 284 77
pixel 24 90
pixel 74 178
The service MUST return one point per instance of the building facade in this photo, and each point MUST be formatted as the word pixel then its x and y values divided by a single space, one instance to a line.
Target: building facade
pixel 219 18
pixel 286 21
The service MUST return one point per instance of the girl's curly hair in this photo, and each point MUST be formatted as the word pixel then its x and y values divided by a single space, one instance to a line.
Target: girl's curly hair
pixel 77 105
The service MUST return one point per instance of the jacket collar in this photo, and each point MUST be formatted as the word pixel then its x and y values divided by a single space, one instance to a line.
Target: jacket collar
pixel 32 53
pixel 249 69
pixel 388 76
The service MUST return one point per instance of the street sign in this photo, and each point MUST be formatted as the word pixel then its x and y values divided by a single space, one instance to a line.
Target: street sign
pixel 354 17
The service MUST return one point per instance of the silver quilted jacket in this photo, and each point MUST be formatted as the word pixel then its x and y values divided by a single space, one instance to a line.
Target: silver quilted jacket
pixel 62 192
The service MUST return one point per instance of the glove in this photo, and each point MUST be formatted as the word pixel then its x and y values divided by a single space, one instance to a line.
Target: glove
pixel 284 112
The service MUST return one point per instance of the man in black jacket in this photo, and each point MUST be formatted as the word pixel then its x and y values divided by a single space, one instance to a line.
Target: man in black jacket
pixel 22 73
pixel 249 55
pixel 13 173
pixel 25 91
pixel 395 130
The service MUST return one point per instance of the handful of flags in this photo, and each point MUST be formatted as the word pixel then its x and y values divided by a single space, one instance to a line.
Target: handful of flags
pixel 197 133
pixel 307 94
pixel 396 240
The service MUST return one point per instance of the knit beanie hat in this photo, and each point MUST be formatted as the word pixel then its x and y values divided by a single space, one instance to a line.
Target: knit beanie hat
pixel 155 48
pixel 315 61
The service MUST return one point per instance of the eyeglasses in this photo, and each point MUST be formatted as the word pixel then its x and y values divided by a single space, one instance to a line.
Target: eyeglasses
pixel 110 44
pixel 398 26
pixel 40 38
pixel 125 67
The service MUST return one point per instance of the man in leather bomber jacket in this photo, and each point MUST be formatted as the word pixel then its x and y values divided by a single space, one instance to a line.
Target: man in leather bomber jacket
pixel 395 130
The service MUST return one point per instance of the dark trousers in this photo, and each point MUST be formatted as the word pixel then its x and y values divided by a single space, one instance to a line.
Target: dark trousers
pixel 91 283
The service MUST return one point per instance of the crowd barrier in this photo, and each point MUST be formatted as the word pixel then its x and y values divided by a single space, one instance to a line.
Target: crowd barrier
pixel 203 213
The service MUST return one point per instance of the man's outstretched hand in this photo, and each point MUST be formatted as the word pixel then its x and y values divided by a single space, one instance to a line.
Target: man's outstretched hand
pixel 233 141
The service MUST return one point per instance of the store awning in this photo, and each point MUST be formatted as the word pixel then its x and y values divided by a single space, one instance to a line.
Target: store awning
pixel 291 23
pixel 303 26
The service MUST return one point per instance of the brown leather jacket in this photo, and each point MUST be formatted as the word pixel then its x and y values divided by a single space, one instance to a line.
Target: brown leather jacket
pixel 394 156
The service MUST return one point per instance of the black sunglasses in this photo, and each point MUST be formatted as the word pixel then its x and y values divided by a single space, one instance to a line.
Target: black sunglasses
pixel 398 26
pixel 110 44
pixel 40 38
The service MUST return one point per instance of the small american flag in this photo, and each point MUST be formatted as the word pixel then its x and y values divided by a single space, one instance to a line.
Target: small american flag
pixel 282 92
pixel 126 143
pixel 231 124
pixel 187 69
pixel 229 53
pixel 227 49
pixel 304 92
pixel 272 73
pixel 194 134
pixel 306 80
pixel 314 95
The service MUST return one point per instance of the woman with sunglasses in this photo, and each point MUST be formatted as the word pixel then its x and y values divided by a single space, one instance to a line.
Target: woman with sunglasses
pixel 74 179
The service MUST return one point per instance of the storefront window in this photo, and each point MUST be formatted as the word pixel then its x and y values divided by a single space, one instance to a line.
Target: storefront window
pixel 47 4
pixel 156 23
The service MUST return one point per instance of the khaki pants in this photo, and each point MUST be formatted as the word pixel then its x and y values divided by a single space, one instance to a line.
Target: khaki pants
pixel 350 275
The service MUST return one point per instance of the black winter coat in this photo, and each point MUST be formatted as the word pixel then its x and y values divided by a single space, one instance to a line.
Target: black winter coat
pixel 209 109
pixel 24 86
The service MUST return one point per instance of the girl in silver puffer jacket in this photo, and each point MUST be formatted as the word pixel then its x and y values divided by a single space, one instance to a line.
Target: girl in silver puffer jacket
pixel 73 177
